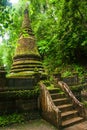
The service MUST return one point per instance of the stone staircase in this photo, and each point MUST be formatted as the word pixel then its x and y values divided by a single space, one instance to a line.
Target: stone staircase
pixel 69 114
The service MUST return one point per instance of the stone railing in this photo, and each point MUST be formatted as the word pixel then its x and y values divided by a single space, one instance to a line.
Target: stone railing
pixel 49 111
pixel 75 102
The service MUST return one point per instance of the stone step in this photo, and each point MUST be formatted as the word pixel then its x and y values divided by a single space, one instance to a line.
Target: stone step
pixel 65 107
pixel 56 95
pixel 25 69
pixel 72 121
pixel 27 62
pixel 60 101
pixel 26 66
pixel 69 114
pixel 54 90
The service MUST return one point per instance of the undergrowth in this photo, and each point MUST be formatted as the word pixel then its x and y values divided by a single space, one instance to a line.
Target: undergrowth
pixel 11 119
pixel 18 118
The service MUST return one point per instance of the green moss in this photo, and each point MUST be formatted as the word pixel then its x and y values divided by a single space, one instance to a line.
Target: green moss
pixel 84 103
pixel 51 87
pixel 25 35
pixel 20 74
pixel 10 119
pixel 22 51
pixel 76 88
pixel 25 74
pixel 19 118
pixel 26 46
pixel 22 94
pixel 26 66
pixel 27 62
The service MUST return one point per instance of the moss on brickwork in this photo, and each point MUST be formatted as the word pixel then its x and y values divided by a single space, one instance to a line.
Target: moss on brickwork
pixel 22 94
pixel 25 74
pixel 26 46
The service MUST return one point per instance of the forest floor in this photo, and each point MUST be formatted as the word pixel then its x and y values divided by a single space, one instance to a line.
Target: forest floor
pixel 41 124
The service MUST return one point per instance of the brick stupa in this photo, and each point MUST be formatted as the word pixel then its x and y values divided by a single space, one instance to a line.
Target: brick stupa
pixel 27 60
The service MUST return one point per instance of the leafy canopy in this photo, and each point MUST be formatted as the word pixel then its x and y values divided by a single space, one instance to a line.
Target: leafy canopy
pixel 60 28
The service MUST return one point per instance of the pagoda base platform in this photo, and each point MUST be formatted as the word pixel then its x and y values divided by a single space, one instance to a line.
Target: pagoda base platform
pixel 21 83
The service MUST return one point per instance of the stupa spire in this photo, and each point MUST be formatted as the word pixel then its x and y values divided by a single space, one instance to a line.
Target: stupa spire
pixel 26 20
pixel 26 25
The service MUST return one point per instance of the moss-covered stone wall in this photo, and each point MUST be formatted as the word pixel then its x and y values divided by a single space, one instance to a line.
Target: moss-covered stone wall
pixel 18 101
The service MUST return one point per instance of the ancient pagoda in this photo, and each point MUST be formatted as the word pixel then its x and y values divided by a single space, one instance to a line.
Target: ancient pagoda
pixel 27 60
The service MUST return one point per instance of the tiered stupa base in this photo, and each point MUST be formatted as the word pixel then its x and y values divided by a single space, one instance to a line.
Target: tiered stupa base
pixel 25 72
pixel 26 66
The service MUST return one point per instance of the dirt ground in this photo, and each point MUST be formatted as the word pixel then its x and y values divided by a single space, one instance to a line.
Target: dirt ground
pixel 39 124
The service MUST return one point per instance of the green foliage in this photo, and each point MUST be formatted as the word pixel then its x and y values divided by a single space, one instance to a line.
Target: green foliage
pixel 59 27
pixel 10 119
pixel 20 94
pixel 76 88
pixel 67 73
pixel 71 36
pixel 70 70
pixel 48 84
pixel 60 39
pixel 84 103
